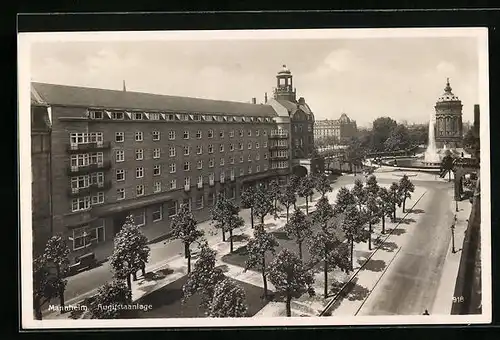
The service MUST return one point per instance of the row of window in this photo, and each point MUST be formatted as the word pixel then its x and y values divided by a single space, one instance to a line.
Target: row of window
pixel 84 181
pixel 159 116
pixel 280 165
pixel 139 154
pixel 84 203
pixel 79 160
pixel 298 128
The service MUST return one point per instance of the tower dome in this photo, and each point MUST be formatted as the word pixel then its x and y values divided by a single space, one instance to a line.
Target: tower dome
pixel 284 70
pixel 448 96
pixel 448 119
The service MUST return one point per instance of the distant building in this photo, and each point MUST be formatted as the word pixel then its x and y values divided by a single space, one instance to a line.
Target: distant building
pixel 448 119
pixel 337 130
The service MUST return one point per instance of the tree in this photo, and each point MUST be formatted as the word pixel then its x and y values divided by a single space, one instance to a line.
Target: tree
pixel 386 205
pixel 447 164
pixel 274 191
pixel 204 277
pixel 327 247
pixel 372 215
pixel 399 139
pixel 323 213
pixel 263 204
pixel 248 200
pixel 354 153
pixel 406 187
pixel 372 187
pixel 288 198
pixel 131 251
pixel 396 198
pixel 228 301
pixel 305 190
pixel 352 225
pixel 56 254
pixel 344 199
pixel 359 193
pixel 184 228
pixel 106 304
pixel 45 286
pixel 298 228
pixel 218 215
pixel 322 184
pixel 290 278
pixel 382 129
pixel 234 221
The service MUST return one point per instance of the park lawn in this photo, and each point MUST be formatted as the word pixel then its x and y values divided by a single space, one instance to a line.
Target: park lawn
pixel 167 301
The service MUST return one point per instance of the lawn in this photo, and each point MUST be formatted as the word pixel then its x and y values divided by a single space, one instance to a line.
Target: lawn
pixel 167 301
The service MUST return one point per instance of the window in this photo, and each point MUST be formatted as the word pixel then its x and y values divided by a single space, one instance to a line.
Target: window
pixel 140 217
pixel 139 136
pixel 249 145
pixel 210 133
pixel 249 133
pixel 139 190
pixel 257 168
pixel 157 213
pixel 221 134
pixel 186 150
pixel 156 170
pixel 187 202
pixel 257 157
pixel 137 116
pixel 80 160
pixel 156 153
pixel 139 154
pixel 231 133
pixel 172 168
pixel 231 160
pixel 240 146
pixel 98 198
pixel 250 169
pixel 154 116
pixel 222 176
pixel 198 134
pixel 117 115
pixel 265 132
pixel 231 147
pixel 232 193
pixel 171 135
pixel 171 208
pixel 241 132
pixel 157 187
pixel 265 144
pixel 211 163
pixel 80 203
pixel 200 164
pixel 186 166
pixel 185 135
pixel 199 202
pixel 200 180
pixel 265 167
pixel 96 158
pixel 119 137
pixel 156 135
pixel 199 149
pixel 171 151
pixel 173 184
pixel 221 162
pixel 242 172
pixel 210 148
pixel 187 181
pixel 120 194
pixel 241 159
pixel 120 175
pixel 139 172
pixel 221 148
pixel 257 145
pixel 84 237
pixel 249 157
pixel 119 155
pixel 257 133
pixel 97 178
pixel 211 177
pixel 265 155
pixel 211 198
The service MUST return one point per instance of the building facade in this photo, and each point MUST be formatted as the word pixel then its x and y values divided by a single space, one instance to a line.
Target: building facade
pixel 448 117
pixel 119 153
pixel 338 131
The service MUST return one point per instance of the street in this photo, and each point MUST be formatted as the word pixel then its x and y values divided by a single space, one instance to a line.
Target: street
pixel 410 285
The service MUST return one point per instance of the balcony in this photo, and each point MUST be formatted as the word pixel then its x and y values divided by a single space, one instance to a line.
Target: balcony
pixel 75 170
pixel 278 147
pixel 187 187
pixel 232 177
pixel 88 146
pixel 211 182
pixel 94 187
pixel 278 158
pixel 222 179
pixel 200 185
pixel 279 134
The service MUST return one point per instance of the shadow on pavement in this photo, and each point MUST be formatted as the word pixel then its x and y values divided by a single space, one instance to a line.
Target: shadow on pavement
pixel 404 220
pixel 417 211
pixel 387 246
pixel 158 275
pixel 373 265
pixel 397 231
pixel 241 238
pixel 280 235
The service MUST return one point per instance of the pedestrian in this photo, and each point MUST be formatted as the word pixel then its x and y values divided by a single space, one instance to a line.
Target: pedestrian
pixel 426 312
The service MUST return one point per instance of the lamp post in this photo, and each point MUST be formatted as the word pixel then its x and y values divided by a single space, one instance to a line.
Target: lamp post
pixel 456 205
pixel 453 236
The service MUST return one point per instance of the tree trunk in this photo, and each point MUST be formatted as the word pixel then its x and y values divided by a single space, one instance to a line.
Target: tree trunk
pixel 300 249
pixel 134 275
pixel 143 269
pixel 187 251
pixel 325 269
pixel 352 253
pixel 287 211
pixel 61 289
pixel 383 224
pixel 404 203
pixel 449 175
pixel 288 305
pixel 251 216
pixel 394 213
pixel 230 240
pixel 262 220
pixel 264 279
pixel 129 283
pixel 307 205
pixel 370 236
pixel 37 308
pixel 223 236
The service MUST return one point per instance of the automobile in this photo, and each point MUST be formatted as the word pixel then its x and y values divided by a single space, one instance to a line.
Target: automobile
pixel 84 262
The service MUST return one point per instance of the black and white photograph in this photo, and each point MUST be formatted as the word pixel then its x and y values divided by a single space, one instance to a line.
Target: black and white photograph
pixel 254 178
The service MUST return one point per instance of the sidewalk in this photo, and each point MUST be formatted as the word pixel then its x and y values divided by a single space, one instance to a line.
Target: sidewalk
pixel 444 298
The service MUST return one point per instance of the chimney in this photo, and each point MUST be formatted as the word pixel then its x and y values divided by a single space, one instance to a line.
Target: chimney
pixel 476 118
pixel 124 87
pixel 254 100
pixel 302 101
pixel 265 97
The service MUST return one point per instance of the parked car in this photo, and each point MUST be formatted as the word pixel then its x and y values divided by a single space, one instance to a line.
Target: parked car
pixel 84 262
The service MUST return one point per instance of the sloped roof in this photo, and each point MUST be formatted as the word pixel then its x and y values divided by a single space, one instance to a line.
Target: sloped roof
pixel 101 98
pixel 292 107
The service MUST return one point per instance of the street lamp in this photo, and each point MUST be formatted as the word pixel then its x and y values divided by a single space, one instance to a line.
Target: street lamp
pixel 456 205
pixel 453 235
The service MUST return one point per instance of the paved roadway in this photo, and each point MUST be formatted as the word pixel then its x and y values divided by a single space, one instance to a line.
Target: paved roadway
pixel 410 285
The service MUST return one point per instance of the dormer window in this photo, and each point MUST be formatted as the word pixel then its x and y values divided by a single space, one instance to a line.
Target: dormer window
pixel 96 115
pixel 117 115
pixel 137 116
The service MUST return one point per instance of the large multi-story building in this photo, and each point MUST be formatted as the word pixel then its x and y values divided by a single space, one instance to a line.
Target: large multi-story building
pixel 448 117
pixel 116 153
pixel 337 130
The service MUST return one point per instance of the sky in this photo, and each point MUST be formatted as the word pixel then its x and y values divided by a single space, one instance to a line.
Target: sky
pixel 365 78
